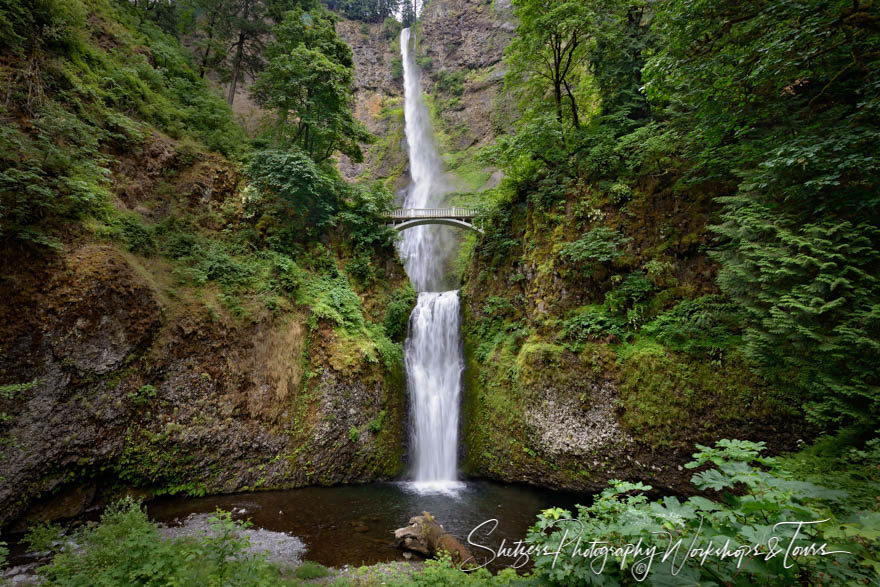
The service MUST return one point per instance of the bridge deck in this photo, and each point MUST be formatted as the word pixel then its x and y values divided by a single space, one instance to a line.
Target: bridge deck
pixel 402 214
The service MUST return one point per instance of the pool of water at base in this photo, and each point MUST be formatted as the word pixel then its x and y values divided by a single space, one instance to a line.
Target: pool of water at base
pixel 354 524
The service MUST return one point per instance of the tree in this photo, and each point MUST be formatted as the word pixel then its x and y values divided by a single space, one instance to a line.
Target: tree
pixel 213 32
pixel 550 47
pixel 308 83
pixel 408 13
pixel 616 60
pixel 251 23
pixel 303 194
pixel 365 10
pixel 780 101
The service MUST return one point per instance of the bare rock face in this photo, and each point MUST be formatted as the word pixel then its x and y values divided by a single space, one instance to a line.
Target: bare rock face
pixel 65 330
pixel 468 37
pixel 378 102
pixel 427 537
pixel 466 34
pixel 133 389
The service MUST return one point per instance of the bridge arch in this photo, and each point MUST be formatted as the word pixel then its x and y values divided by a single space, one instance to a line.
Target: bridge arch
pixel 404 218
pixel 445 221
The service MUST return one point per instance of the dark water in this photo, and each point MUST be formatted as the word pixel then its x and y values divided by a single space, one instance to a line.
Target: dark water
pixel 354 525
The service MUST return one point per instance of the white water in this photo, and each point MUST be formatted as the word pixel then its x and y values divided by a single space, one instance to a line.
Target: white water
pixel 423 248
pixel 433 371
pixel 433 355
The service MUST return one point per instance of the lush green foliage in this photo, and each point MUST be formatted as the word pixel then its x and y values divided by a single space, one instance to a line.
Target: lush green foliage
pixel 548 51
pixel 397 313
pixel 43 537
pixel 599 245
pixel 311 570
pixel 783 100
pixel 308 82
pixel 69 103
pixel 704 325
pixel 773 107
pixel 303 196
pixel 126 549
pixel 758 500
pixel 366 10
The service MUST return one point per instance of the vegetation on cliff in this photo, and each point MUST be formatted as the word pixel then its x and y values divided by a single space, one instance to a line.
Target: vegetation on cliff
pixel 689 205
pixel 623 101
pixel 129 189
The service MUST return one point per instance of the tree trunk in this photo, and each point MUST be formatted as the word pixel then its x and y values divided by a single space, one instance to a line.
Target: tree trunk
pixel 425 536
pixel 208 47
pixel 239 53
pixel 574 110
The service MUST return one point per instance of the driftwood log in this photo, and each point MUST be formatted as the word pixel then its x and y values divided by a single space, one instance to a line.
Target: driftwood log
pixel 426 536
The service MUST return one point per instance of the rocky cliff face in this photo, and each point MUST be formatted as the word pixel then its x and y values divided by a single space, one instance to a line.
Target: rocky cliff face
pixel 378 102
pixel 460 45
pixel 553 398
pixel 141 385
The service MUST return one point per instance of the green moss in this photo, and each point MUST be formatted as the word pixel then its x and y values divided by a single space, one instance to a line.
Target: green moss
pixel 672 400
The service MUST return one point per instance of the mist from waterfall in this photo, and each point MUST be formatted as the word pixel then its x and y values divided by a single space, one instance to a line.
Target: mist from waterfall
pixel 433 354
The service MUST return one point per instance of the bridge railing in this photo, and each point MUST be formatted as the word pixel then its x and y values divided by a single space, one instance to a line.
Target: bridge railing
pixel 410 213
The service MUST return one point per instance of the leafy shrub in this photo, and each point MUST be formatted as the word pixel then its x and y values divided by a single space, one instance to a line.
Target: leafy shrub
pixel 212 263
pixel 599 245
pixel 43 537
pixel 353 434
pixel 396 69
pixel 360 267
pixel 450 81
pixel 300 193
pixel 4 553
pixel 144 395
pixel 362 212
pixel 32 26
pixel 309 570
pixel 376 423
pixel 592 323
pixel 391 28
pixel 178 245
pixel 397 312
pixel 59 171
pixel 497 306
pixel 126 549
pixel 288 274
pixel 331 298
pixel 709 323
pixel 137 236
pixel 756 494
pixel 630 298
pixel 442 571
pixel 620 193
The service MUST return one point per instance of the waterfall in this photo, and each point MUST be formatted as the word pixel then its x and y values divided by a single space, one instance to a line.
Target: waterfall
pixel 433 371
pixel 433 355
pixel 422 248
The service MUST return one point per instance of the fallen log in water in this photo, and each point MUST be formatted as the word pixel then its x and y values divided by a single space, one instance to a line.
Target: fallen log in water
pixel 425 536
